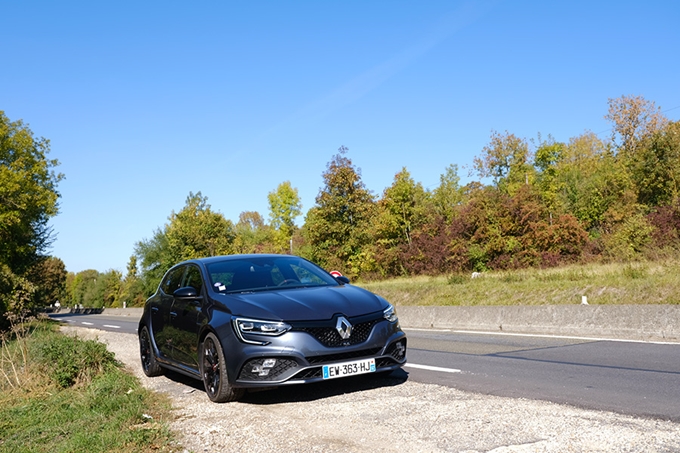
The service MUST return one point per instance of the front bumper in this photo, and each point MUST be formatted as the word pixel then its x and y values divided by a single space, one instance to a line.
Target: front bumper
pixel 298 357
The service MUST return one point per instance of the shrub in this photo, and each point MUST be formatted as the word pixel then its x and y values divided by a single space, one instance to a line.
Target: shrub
pixel 69 361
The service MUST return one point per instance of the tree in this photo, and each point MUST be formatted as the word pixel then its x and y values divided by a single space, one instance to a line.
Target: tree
pixel 284 208
pixel 403 203
pixel 655 167
pixel 633 118
pixel 547 158
pixel 49 277
pixel 28 199
pixel 194 232
pixel 252 234
pixel 448 194
pixel 506 159
pixel 337 226
pixel 132 287
pixel 591 182
pixel 28 195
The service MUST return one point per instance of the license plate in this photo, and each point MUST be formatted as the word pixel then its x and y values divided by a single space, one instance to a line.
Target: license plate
pixel 349 368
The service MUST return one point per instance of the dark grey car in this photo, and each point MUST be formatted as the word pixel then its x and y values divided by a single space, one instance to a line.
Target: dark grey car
pixel 245 321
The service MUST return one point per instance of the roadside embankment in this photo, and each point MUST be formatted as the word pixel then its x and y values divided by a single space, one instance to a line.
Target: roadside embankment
pixel 634 322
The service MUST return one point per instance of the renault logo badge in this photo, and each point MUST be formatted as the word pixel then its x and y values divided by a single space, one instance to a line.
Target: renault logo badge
pixel 344 328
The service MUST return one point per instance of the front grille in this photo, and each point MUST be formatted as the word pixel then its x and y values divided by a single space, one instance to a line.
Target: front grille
pixel 326 333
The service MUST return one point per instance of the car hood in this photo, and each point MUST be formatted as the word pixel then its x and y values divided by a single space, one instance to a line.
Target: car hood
pixel 304 304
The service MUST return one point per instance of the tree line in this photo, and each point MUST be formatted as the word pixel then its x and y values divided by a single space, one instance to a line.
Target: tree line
pixel 537 203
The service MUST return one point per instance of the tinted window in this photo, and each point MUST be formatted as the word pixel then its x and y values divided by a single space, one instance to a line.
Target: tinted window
pixel 262 273
pixel 173 280
pixel 193 278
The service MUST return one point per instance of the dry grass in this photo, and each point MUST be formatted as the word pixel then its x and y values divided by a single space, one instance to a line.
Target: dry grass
pixel 633 283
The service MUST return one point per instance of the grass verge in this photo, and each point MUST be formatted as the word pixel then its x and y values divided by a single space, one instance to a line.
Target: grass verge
pixel 65 394
pixel 632 283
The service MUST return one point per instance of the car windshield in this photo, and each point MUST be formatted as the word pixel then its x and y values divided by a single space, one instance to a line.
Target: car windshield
pixel 266 273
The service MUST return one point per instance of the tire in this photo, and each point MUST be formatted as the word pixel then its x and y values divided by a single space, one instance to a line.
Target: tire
pixel 214 372
pixel 149 363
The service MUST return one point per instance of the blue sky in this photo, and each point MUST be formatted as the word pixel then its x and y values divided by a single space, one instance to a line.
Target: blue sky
pixel 144 102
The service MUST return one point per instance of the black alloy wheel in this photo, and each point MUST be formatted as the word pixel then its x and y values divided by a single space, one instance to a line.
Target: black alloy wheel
pixel 214 372
pixel 149 363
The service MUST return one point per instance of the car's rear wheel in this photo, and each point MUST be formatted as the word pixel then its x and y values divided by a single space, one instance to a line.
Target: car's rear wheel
pixel 149 363
pixel 214 372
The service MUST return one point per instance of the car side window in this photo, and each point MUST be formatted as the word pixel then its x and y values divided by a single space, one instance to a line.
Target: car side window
pixel 173 280
pixel 193 278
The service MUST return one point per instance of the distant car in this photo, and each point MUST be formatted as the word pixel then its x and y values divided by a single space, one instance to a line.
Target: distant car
pixel 244 321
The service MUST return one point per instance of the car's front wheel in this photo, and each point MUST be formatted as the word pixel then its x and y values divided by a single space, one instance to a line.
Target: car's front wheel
pixel 149 363
pixel 214 372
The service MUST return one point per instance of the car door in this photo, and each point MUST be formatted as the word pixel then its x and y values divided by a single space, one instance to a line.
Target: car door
pixel 186 317
pixel 160 312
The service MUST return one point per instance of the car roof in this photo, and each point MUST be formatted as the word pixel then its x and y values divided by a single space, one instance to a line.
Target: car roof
pixel 221 258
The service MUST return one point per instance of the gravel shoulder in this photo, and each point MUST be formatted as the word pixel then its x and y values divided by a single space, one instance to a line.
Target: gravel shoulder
pixel 387 414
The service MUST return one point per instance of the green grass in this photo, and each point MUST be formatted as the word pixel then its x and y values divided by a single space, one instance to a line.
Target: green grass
pixel 633 283
pixel 63 394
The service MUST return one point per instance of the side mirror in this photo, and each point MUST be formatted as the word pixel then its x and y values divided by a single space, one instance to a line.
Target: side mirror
pixel 342 279
pixel 188 292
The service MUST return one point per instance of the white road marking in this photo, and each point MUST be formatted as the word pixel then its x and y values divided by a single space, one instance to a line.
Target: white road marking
pixel 87 323
pixel 433 368
pixel 113 327
pixel 535 335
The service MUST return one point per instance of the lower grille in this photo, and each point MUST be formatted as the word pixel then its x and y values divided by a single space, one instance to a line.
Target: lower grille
pixel 330 358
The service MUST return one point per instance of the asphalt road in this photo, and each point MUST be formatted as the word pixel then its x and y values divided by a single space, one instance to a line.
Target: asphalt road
pixel 634 378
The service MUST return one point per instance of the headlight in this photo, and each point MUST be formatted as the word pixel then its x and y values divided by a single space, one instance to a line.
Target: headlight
pixel 390 314
pixel 244 326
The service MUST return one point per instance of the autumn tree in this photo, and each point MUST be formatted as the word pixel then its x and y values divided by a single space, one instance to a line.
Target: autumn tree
pixel 252 234
pixel 506 159
pixel 337 226
pixel 633 119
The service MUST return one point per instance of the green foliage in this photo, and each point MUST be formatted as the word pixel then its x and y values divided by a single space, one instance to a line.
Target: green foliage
pixel 630 237
pixel 506 159
pixel 28 195
pixel 284 208
pixel 76 398
pixel 448 195
pixel 49 277
pixel 655 167
pixel 549 204
pixel 337 226
pixel 69 360
pixel 194 232
pixel 28 199
pixel 253 235
pixel 16 294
